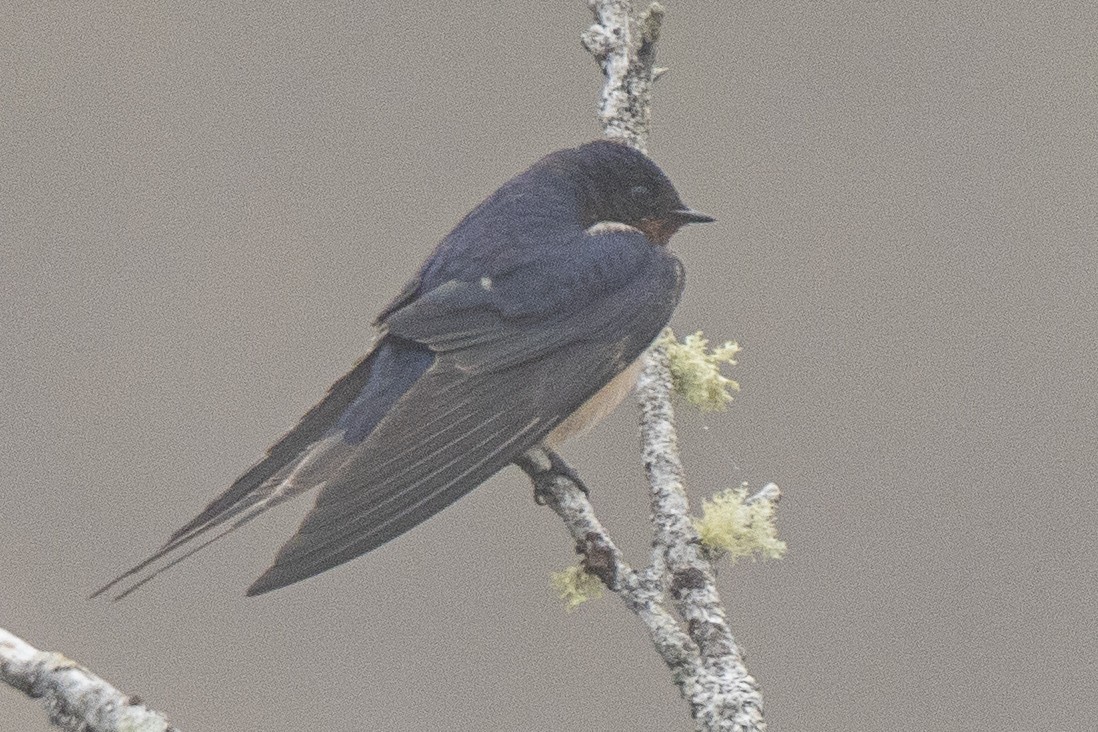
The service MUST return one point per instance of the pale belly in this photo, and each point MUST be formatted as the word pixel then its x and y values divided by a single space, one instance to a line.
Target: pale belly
pixel 598 406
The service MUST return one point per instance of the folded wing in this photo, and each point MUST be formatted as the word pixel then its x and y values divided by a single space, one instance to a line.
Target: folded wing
pixel 498 386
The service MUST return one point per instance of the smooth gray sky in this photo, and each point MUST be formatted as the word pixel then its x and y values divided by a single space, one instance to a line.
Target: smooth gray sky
pixel 203 206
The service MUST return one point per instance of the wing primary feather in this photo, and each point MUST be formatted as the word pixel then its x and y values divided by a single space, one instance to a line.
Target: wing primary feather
pixel 298 560
pixel 441 450
pixel 408 487
pixel 375 482
pixel 443 488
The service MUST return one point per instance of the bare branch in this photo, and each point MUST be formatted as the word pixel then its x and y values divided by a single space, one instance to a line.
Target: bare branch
pixel 76 699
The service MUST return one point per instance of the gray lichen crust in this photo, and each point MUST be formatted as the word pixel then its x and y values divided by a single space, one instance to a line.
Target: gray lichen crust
pixel 75 698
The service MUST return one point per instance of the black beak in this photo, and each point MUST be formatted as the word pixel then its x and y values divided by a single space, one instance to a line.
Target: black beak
pixel 690 216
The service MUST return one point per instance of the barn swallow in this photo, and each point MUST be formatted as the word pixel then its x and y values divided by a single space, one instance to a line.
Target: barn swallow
pixel 525 325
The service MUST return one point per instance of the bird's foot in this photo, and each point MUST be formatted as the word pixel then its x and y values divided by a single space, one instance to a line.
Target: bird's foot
pixel 544 466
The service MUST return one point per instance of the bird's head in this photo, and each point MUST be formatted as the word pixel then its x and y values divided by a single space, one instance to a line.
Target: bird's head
pixel 617 184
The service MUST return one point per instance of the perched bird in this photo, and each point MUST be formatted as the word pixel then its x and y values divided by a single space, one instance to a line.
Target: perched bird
pixel 522 327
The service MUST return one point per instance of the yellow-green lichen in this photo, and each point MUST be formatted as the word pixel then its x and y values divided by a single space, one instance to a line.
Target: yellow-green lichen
pixel 730 526
pixel 575 586
pixel 696 370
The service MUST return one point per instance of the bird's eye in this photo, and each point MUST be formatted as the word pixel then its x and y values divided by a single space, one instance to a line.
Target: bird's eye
pixel 639 193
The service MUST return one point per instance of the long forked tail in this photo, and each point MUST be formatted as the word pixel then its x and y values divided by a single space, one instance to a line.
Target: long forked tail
pixel 304 458
pixel 244 501
pixel 153 566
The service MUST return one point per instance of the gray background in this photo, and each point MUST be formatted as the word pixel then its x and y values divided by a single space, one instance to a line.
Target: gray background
pixel 204 206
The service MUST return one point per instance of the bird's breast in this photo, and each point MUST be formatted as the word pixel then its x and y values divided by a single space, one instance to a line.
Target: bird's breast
pixel 604 401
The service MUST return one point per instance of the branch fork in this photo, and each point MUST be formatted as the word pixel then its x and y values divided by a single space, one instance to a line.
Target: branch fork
pixel 705 660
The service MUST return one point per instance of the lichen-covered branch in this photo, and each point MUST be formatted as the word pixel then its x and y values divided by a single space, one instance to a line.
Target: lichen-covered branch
pixel 624 45
pixel 723 696
pixel 602 558
pixel 705 660
pixel 75 698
